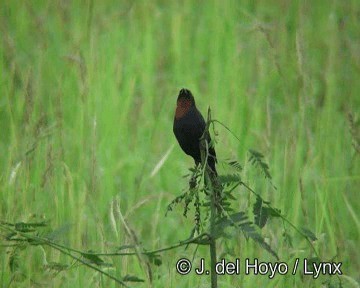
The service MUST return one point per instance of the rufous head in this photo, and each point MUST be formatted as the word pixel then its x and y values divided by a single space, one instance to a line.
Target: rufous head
pixel 185 101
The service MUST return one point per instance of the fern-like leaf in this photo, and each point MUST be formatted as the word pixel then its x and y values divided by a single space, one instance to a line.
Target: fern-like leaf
pixel 176 201
pixel 260 213
pixel 28 227
pixel 234 164
pixel 229 179
pixel 263 213
pixel 241 221
pixel 256 158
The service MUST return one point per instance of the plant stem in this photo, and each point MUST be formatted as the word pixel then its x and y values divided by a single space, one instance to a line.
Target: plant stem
pixel 213 263
pixel 211 187
pixel 213 216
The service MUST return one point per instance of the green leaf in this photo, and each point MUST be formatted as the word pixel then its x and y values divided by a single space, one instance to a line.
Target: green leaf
pixel 28 227
pixel 273 212
pixel 235 164
pixel 229 195
pixel 224 222
pixel 261 214
pixel 155 259
pixel 309 234
pixel 176 201
pixel 240 220
pixel 93 258
pixel 9 236
pixel 256 160
pixel 131 278
pixel 23 227
pixel 229 179
pixel 14 261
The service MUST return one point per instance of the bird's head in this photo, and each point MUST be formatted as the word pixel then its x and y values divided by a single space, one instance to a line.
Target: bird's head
pixel 185 101
pixel 185 95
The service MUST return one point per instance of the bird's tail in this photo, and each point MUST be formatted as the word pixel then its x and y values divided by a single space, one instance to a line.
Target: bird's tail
pixel 212 162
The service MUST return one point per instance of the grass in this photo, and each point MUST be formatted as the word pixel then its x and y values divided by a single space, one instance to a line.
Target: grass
pixel 87 99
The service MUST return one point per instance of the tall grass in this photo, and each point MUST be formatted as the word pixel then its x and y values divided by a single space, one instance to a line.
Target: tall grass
pixel 87 97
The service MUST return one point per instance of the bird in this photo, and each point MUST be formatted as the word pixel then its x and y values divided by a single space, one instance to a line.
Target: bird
pixel 189 126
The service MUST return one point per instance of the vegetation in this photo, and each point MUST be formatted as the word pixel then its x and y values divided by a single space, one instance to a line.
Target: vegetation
pixel 89 163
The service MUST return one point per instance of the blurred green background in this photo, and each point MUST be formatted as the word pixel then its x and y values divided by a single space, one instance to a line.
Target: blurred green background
pixel 87 98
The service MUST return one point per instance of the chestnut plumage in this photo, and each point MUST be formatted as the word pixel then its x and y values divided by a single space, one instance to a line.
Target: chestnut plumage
pixel 189 125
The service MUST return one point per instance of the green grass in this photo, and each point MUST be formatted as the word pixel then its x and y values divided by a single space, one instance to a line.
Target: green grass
pixel 87 97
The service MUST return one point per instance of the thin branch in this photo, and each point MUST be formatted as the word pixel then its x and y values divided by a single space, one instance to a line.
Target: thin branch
pixel 282 217
pixel 64 250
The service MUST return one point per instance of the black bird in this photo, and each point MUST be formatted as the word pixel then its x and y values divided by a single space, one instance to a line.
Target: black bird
pixel 189 125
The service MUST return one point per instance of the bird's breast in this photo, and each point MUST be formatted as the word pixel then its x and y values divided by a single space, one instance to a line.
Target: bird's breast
pixel 183 106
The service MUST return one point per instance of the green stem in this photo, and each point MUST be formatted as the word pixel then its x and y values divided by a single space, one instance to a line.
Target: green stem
pixel 201 239
pixel 209 181
pixel 213 216
pixel 64 250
